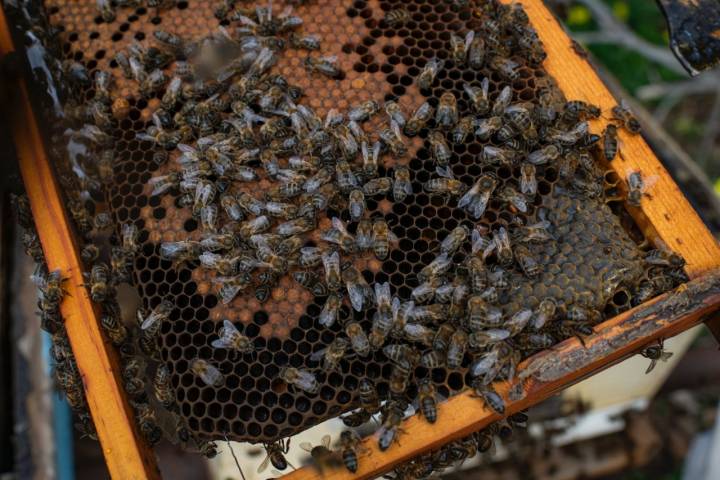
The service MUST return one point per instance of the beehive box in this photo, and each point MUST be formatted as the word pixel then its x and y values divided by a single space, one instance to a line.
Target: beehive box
pixel 379 63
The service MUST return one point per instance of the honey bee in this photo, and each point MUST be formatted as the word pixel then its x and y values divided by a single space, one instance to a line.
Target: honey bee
pixel 383 318
pixel 331 264
pixel 569 137
pixel 502 101
pixel 427 398
pixel 147 423
pixel 306 42
pixel 310 256
pixel 610 142
pixel 311 281
pixel 393 417
pixel 209 218
pixel 378 186
pixel 363 111
pixel 503 249
pixel 392 139
pixel 506 68
pixel 478 96
pixel 275 455
pixel 339 235
pixel 438 267
pixel 476 199
pixel 440 150
pixel 418 333
pixel 158 315
pixel 636 187
pixel 487 127
pixel 624 115
pixel 115 330
pixel 297 226
pixel 331 310
pixel 459 47
pixel 99 281
pixel 418 120
pixel 346 179
pixel 456 348
pixel 358 290
pixel 544 313
pixel 445 184
pixel 476 52
pixel 427 76
pixel 518 321
pixel 162 387
pixel 395 113
pixel 313 184
pixel 655 353
pixel 332 354
pixel 397 17
pixel 358 339
pixel 498 156
pixel 491 398
pixel 433 359
pixel 370 158
pixel 323 458
pixel 382 237
pixel 207 372
pixel 230 338
pixel 514 198
pixel 454 240
pixel 446 115
pixel 229 287
pixel 298 378
pixel 252 227
pixel 350 447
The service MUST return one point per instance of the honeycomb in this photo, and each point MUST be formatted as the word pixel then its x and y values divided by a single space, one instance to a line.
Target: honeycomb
pixel 380 63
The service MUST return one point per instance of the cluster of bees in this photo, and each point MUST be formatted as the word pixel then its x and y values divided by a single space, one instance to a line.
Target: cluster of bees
pixel 50 293
pixel 235 123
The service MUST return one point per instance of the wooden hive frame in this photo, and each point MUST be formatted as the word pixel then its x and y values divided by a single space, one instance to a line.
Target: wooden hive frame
pixel 664 215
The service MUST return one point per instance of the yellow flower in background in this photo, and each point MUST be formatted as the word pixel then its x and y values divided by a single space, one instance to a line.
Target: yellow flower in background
pixel 621 10
pixel 578 16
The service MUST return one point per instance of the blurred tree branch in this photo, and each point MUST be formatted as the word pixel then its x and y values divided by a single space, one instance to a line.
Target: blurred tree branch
pixel 669 94
pixel 614 31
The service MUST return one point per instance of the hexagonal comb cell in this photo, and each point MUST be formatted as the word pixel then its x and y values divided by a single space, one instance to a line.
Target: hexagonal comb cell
pixel 380 62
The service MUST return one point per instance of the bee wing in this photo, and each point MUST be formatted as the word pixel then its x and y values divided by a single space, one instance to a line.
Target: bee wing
pixel 156 121
pixel 485 85
pixel 307 446
pixel 469 37
pixel 444 172
pixel 144 137
pixel 329 58
pixel 222 342
pixel 325 441
pixel 382 292
pixel 357 295
pixel 328 315
pixel 317 356
pixel 211 376
pixel 263 466
pixel 377 146
pixel 467 198
pixel 392 238
pixel 478 207
pixel 651 367
pixel 665 356
pixel 396 129
pixel 149 321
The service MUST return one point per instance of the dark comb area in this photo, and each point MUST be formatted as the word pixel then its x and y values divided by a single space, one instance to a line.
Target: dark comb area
pixel 595 260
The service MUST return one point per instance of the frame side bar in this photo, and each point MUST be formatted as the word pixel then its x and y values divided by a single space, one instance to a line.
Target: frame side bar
pixel 126 453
